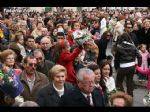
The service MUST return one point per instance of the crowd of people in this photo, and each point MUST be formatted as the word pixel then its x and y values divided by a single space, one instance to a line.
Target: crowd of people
pixel 69 58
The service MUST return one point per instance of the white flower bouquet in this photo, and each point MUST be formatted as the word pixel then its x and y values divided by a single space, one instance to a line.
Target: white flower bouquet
pixel 80 36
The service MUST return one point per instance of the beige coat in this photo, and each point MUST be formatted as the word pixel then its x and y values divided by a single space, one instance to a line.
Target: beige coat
pixel 40 81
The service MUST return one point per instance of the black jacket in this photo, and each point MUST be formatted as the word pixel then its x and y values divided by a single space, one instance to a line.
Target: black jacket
pixel 75 98
pixel 48 96
pixel 102 46
pixel 138 36
pixel 45 68
pixel 127 52
pixel 50 54
pixel 134 38
pixel 145 37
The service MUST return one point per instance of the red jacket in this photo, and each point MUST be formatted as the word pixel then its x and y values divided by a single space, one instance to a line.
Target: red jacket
pixel 70 38
pixel 66 59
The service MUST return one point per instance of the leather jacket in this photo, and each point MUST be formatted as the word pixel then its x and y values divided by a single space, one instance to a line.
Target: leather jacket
pixel 127 52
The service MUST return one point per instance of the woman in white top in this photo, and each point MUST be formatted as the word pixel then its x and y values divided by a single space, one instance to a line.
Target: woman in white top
pixel 107 81
pixel 107 76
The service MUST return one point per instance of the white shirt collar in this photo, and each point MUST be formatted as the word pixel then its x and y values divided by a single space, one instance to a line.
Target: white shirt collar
pixel 60 92
pixel 87 95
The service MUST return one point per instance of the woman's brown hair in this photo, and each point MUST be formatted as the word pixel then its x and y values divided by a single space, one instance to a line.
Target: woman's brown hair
pixel 60 45
pixel 127 98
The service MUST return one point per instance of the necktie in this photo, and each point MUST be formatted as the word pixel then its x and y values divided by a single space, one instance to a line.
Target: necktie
pixel 88 99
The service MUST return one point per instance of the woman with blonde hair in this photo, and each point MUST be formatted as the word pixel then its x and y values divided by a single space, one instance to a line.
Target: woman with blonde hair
pixel 50 95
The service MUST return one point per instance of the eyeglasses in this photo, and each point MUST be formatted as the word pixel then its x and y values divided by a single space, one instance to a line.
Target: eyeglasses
pixel 32 64
pixel 108 35
pixel 40 58
pixel 88 82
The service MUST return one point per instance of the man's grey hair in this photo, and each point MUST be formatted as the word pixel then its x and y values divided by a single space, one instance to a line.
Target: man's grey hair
pixel 29 104
pixel 37 51
pixel 46 37
pixel 82 72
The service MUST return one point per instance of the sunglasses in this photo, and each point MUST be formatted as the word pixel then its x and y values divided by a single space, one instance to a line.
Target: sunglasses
pixel 32 64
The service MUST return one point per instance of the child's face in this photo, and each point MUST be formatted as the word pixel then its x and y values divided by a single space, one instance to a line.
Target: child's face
pixel 77 26
pixel 143 48
pixel 110 61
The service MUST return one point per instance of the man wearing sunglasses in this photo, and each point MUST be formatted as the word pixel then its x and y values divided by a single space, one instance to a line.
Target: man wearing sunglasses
pixel 129 29
pixel 32 80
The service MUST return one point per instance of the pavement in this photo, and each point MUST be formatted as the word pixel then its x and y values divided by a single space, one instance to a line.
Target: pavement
pixel 139 92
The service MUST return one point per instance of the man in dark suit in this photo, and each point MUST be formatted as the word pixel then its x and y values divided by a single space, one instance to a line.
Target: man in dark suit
pixel 84 94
